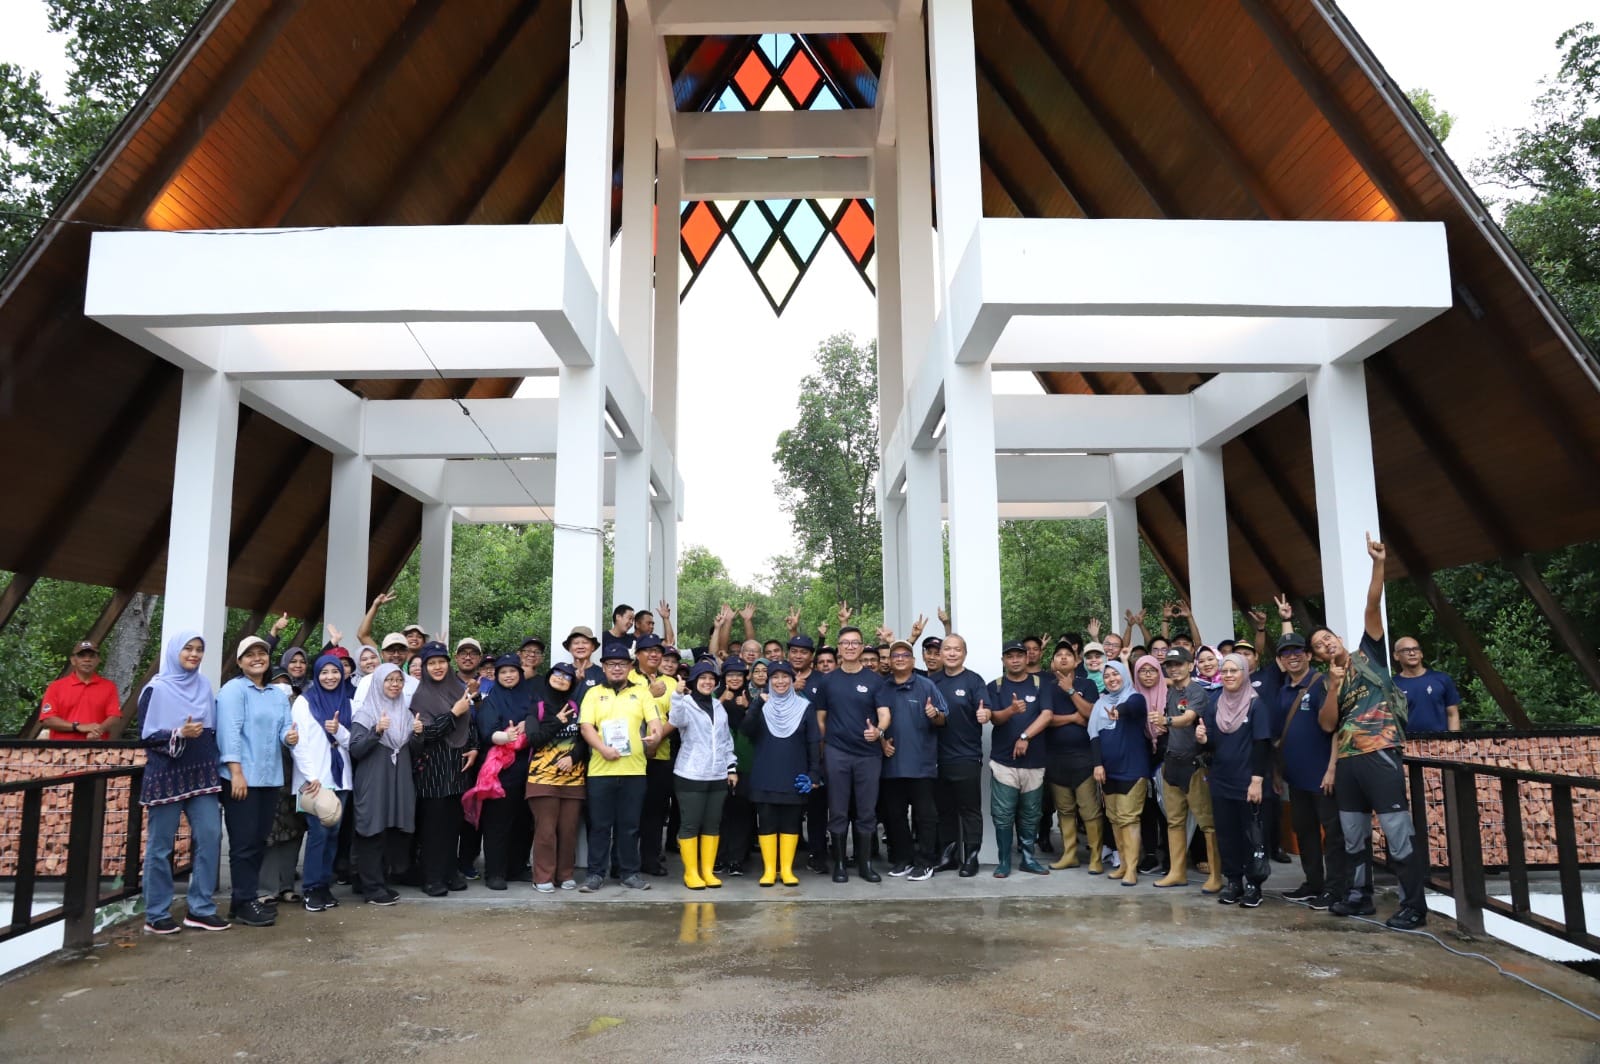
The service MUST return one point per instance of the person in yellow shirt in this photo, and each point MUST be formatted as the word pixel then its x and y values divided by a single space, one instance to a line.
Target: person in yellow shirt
pixel 660 805
pixel 623 727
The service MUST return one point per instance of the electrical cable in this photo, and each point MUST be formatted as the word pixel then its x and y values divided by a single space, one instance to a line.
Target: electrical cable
pixel 1459 953
pixel 506 462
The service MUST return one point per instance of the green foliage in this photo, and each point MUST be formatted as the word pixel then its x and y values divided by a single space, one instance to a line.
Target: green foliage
pixel 1437 118
pixel 116 49
pixel 829 466
pixel 1551 168
pixel 34 646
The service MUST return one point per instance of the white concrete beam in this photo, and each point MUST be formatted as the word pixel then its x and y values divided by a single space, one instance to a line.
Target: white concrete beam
pixel 1230 403
pixel 1120 423
pixel 1182 344
pixel 674 18
pixel 436 428
pixel 321 411
pixel 714 179
pixel 1138 473
pixel 776 134
pixel 1054 478
pixel 491 483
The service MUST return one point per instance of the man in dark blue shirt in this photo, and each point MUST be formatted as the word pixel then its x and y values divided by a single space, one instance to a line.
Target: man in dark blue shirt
pixel 1069 765
pixel 852 722
pixel 1305 758
pixel 1016 762
pixel 1432 702
pixel 959 791
pixel 916 710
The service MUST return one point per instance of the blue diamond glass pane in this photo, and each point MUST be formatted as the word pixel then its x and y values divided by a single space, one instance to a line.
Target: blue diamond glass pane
pixel 751 232
pixel 777 46
pixel 805 231
pixel 778 207
pixel 728 101
pixel 825 100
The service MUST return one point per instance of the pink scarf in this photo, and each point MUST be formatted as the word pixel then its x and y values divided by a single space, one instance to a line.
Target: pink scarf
pixel 1155 697
pixel 1234 706
pixel 488 785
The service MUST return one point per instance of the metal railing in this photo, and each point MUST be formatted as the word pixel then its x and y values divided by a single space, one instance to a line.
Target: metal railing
pixel 81 895
pixel 1465 878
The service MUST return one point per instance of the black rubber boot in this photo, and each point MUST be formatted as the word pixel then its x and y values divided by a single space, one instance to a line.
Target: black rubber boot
pixel 864 867
pixel 841 869
pixel 969 864
pixel 950 860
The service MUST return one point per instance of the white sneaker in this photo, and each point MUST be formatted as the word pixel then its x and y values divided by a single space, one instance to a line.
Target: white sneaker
pixel 1111 857
pixel 545 888
pixel 569 884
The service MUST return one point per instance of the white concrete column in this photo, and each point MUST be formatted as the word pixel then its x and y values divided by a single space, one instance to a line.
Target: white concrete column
pixel 968 389
pixel 891 374
pixel 891 520
pixel 580 431
pixel 913 202
pixel 433 591
pixel 1122 543
pixel 1205 510
pixel 664 369
pixel 202 512
pixel 344 588
pixel 924 536
pixel 636 318
pixel 667 523
pixel 1347 493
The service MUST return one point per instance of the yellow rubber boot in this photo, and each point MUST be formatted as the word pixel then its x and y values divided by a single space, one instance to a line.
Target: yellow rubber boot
pixel 787 845
pixel 1213 883
pixel 1131 846
pixel 708 859
pixel 1095 831
pixel 1069 843
pixel 769 859
pixel 1178 851
pixel 689 850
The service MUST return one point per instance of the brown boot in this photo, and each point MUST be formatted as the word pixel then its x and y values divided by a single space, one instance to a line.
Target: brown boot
pixel 1178 848
pixel 1213 882
pixel 1069 843
pixel 1095 831
pixel 1131 848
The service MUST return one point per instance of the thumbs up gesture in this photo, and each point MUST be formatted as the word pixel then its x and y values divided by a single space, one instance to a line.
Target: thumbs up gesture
pixel 292 736
pixel 416 725
pixel 929 711
pixel 1018 705
pixel 983 713
pixel 383 722
pixel 1200 732
pixel 332 726
pixel 191 728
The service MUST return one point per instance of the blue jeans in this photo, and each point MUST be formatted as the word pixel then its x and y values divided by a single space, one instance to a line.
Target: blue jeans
pixel 322 845
pixel 204 813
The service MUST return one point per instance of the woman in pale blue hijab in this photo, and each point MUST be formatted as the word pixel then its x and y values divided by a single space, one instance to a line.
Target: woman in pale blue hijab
pixel 178 724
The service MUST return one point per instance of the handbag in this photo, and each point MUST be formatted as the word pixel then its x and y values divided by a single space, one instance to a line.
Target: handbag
pixel 1258 864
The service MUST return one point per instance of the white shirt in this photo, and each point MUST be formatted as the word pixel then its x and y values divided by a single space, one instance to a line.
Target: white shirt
pixel 313 754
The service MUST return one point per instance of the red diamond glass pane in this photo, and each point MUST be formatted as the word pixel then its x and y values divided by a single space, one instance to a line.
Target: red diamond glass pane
pixel 753 77
pixel 700 232
pixel 801 77
pixel 855 231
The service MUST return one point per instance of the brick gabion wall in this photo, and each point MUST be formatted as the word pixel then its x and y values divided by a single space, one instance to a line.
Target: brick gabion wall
pixel 1566 752
pixel 45 761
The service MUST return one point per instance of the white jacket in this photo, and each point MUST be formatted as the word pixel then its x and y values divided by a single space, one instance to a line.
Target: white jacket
pixel 313 754
pixel 706 753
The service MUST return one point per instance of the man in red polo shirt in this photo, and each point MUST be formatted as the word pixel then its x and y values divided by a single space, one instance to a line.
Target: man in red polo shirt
pixel 82 704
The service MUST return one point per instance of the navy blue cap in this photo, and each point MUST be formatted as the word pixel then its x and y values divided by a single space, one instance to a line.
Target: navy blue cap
pixel 1014 646
pixel 1291 640
pixel 932 642
pixel 646 642
pixel 565 668
pixel 434 649
pixel 508 661
pixel 700 669
pixel 734 665
pixel 670 651
pixel 779 666
pixel 532 641
pixel 612 651
pixel 803 642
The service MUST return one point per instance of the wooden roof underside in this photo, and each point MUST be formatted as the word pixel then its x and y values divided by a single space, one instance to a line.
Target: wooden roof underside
pixel 1486 421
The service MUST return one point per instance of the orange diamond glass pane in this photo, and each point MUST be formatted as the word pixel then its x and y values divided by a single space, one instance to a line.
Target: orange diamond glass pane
pixel 753 76
pixel 700 232
pixel 801 77
pixel 855 231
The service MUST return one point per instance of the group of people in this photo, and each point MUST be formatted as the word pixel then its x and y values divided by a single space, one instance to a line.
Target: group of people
pixel 389 775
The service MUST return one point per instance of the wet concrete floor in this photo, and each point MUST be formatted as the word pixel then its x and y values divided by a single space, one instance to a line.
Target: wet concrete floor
pixel 1103 976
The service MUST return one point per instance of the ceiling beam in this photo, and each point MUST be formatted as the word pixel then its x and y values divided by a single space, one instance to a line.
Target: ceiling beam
pixel 717 179
pixel 705 18
pixel 351 111
pixel 724 134
pixel 1189 99
pixel 1017 108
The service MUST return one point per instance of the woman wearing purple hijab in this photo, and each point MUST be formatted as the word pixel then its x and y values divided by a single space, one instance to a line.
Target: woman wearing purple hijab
pixel 178 723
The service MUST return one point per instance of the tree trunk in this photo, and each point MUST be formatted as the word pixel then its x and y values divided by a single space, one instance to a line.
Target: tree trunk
pixel 128 641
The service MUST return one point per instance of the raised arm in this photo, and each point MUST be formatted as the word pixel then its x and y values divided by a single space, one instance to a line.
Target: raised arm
pixel 664 611
pixel 364 629
pixel 1374 615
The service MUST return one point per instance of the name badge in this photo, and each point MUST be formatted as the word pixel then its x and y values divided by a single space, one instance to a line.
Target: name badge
pixel 1030 698
pixel 860 689
pixel 960 693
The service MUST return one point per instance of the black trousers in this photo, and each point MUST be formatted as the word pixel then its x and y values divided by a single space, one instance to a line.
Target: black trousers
pixel 739 826
pixel 1325 866
pixel 439 833
pixel 614 805
pixel 507 829
pixel 1233 818
pixel 372 855
pixel 816 815
pixel 248 819
pixel 1374 784
pixel 342 867
pixel 914 797
pixel 778 818
pixel 958 798
pixel 469 842
pixel 658 799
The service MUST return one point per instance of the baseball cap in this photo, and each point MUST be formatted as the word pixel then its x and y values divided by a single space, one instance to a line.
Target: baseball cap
pixel 613 651
pixel 1015 646
pixel 804 642
pixel 1094 648
pixel 902 643
pixel 1291 641
pixel 417 628
pixel 88 647
pixel 931 642
pixel 469 642
pixel 394 639
pixel 1177 656
pixel 244 644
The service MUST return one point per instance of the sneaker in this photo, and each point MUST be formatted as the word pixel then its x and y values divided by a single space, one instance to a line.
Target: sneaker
pixel 1407 919
pixel 253 914
pixel 458 883
pixel 545 888
pixel 468 873
pixel 436 890
pixel 734 870
pixel 1280 856
pixel 1304 892
pixel 210 922
pixel 569 884
pixel 165 925
pixel 1111 858
pixel 920 873
pixel 313 902
pixel 328 900
pixel 1252 895
pixel 495 883
pixel 636 882
pixel 900 870
pixel 1353 907
pixel 1231 893
pixel 387 897
pixel 1321 902
pixel 591 885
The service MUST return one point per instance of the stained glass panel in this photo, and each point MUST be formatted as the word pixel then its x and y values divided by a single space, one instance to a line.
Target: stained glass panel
pixel 778 277
pixel 751 230
pixel 805 231
pixel 753 77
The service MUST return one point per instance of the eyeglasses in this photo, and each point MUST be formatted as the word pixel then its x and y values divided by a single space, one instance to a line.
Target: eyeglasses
pixel 899 655
pixel 1232 672
pixel 850 642
pixel 1408 650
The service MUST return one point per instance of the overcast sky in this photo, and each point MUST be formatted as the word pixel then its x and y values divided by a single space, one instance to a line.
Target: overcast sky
pixel 740 366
